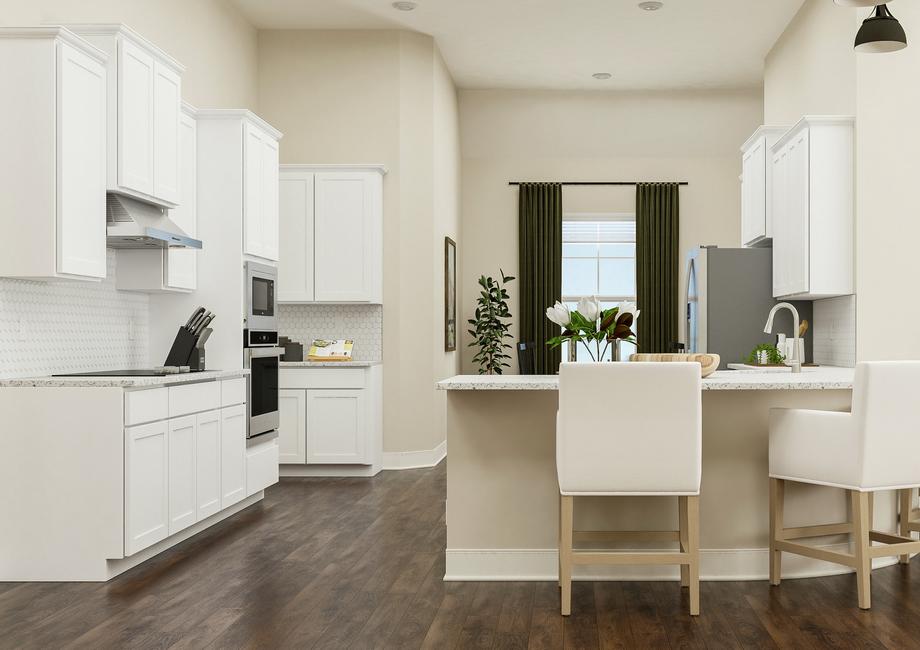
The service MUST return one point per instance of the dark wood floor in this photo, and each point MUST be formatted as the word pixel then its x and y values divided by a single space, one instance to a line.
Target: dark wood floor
pixel 358 563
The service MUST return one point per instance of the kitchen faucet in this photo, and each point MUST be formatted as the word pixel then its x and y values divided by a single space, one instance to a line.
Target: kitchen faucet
pixel 795 363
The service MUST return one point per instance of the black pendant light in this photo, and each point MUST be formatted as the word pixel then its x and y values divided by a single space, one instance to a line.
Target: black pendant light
pixel 881 32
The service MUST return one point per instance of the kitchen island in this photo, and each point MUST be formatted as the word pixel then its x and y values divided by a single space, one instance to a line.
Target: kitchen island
pixel 502 497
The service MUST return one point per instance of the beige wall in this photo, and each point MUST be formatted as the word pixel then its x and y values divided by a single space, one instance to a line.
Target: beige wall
pixel 214 42
pixel 538 135
pixel 812 67
pixel 382 97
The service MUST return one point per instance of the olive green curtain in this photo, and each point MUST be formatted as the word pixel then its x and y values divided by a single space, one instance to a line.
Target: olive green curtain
pixel 657 270
pixel 540 262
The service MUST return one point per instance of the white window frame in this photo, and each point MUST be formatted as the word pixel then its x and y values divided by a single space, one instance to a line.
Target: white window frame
pixel 599 216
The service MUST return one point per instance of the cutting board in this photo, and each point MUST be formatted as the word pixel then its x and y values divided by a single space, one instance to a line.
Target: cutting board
pixel 709 363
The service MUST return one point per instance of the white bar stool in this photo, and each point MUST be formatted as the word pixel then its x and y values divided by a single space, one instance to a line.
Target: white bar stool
pixel 875 447
pixel 630 429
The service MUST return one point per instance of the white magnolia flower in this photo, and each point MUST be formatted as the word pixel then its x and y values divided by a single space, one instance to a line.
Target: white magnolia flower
pixel 627 308
pixel 590 308
pixel 559 314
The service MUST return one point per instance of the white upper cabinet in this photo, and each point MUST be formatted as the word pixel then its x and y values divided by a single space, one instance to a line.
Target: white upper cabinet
pixel 144 99
pixel 260 192
pixel 295 266
pixel 331 233
pixel 812 198
pixel 53 159
pixel 756 186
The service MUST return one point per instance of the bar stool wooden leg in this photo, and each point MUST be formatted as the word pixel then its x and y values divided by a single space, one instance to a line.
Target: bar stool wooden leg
pixel 559 541
pixel 860 501
pixel 565 553
pixel 906 501
pixel 693 548
pixel 682 516
pixel 777 503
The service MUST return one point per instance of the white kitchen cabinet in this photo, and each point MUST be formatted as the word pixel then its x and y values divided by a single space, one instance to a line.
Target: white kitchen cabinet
pixel 812 193
pixel 53 159
pixel 261 464
pixel 170 270
pixel 207 464
pixel 331 234
pixel 757 186
pixel 182 475
pixel 336 426
pixel 146 485
pixel 295 263
pixel 292 427
pixel 260 192
pixel 144 97
pixel 233 455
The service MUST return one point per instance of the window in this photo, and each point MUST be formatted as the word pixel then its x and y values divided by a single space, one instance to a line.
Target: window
pixel 598 259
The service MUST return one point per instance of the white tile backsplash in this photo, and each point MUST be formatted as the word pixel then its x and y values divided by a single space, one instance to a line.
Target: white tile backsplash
pixel 69 326
pixel 362 323
pixel 834 331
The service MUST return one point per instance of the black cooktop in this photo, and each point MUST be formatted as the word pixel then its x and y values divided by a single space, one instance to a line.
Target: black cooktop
pixel 121 373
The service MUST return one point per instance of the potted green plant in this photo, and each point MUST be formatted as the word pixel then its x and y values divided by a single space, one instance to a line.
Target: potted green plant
pixel 589 324
pixel 491 325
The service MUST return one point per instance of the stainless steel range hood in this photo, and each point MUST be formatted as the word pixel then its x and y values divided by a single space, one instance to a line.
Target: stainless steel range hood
pixel 134 224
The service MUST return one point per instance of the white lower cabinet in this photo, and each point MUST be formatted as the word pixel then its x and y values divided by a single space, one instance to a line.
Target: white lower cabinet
pixel 292 429
pixel 233 455
pixel 207 464
pixel 335 426
pixel 146 485
pixel 182 476
pixel 261 465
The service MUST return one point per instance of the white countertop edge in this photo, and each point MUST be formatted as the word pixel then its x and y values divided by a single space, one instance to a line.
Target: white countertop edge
pixel 121 382
pixel 329 364
pixel 825 378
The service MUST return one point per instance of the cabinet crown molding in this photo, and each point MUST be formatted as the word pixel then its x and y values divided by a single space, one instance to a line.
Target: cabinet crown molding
pixel 242 114
pixel 119 30
pixel 335 167
pixel 812 120
pixel 56 32
pixel 762 130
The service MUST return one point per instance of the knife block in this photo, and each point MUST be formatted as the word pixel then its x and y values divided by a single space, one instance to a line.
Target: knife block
pixel 196 361
pixel 182 348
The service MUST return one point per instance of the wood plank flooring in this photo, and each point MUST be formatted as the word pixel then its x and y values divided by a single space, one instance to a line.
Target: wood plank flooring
pixel 358 563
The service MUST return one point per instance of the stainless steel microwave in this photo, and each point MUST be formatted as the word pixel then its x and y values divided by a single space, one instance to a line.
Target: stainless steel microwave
pixel 261 297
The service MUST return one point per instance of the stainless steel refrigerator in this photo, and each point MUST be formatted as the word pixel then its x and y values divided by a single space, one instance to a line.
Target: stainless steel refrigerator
pixel 728 296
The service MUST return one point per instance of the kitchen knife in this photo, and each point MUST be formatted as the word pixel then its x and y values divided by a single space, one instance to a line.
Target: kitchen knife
pixel 198 320
pixel 195 314
pixel 204 324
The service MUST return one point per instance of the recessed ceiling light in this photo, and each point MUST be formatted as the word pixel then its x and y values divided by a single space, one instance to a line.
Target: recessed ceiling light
pixel 651 5
pixel 404 5
pixel 602 75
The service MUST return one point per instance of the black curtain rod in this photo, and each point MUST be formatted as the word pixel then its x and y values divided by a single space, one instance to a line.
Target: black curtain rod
pixel 598 182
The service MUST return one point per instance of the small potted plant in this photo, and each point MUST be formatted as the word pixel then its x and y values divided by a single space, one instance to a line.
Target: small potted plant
pixel 589 324
pixel 490 325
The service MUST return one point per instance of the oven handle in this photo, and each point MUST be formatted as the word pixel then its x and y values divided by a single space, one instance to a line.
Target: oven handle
pixel 257 353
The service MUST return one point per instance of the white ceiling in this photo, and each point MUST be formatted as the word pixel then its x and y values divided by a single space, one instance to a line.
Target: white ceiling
pixel 558 44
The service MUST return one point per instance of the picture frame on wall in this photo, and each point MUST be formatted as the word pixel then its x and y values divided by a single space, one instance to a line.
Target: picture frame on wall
pixel 450 295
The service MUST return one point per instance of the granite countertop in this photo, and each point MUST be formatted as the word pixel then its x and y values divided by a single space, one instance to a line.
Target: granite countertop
pixel 329 364
pixel 820 378
pixel 121 382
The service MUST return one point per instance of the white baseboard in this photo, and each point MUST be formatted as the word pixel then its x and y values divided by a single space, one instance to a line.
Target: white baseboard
pixel 301 471
pixel 414 459
pixel 715 564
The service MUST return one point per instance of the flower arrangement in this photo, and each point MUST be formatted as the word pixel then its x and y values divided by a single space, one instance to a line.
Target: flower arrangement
pixel 589 323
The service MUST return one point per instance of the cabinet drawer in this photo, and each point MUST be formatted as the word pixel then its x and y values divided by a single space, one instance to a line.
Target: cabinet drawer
pixel 261 466
pixel 193 398
pixel 322 378
pixel 233 391
pixel 146 406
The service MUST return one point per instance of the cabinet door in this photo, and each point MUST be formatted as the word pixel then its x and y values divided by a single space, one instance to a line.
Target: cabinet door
pixel 754 194
pixel 799 214
pixel 167 101
pixel 182 474
pixel 781 231
pixel 232 455
pixel 336 426
pixel 295 263
pixel 136 71
pixel 146 486
pixel 182 264
pixel 253 157
pixel 292 429
pixel 345 235
pixel 81 164
pixel 269 189
pixel 207 464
